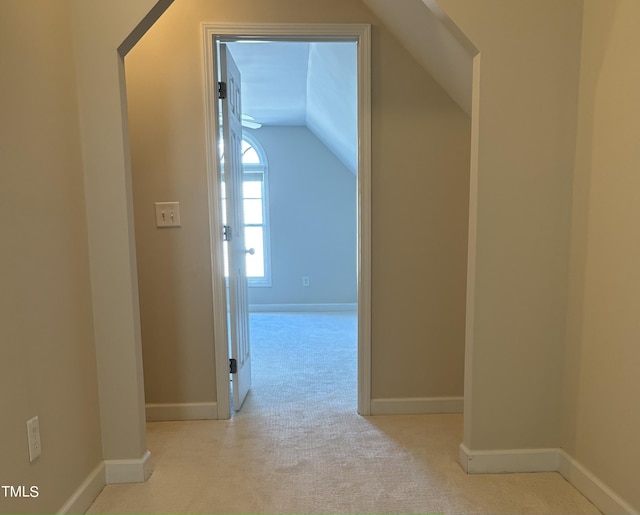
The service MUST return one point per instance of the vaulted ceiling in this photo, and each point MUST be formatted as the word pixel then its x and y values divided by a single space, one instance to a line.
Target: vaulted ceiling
pixel 310 84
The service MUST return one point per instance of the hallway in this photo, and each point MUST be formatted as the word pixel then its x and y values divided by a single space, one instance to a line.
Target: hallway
pixel 298 446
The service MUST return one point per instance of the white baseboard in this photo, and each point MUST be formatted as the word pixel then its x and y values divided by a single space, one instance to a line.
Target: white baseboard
pixel 86 493
pixel 605 499
pixel 295 308
pixel 546 460
pixel 128 471
pixel 184 411
pixel 416 406
pixel 508 461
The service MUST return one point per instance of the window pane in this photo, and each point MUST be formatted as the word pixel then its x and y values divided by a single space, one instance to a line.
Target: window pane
pixel 250 156
pixel 252 189
pixel 255 262
pixel 252 211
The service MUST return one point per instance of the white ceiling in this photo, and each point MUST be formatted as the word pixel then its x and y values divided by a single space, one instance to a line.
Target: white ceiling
pixel 274 80
pixel 310 84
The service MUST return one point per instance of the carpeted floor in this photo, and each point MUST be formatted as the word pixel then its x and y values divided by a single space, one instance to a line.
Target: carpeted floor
pixel 303 358
pixel 298 446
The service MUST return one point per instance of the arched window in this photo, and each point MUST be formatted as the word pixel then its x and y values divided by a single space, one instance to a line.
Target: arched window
pixel 255 199
pixel 256 211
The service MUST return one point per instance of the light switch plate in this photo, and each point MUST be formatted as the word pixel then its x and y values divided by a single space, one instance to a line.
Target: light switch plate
pixel 168 214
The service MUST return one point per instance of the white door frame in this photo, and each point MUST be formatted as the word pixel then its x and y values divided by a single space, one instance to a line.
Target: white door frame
pixel 361 34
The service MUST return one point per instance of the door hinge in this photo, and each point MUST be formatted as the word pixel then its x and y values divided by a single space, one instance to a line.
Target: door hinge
pixel 226 233
pixel 222 90
pixel 233 366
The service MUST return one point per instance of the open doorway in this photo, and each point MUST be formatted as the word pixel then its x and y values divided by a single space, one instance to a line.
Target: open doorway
pixel 305 197
pixel 299 160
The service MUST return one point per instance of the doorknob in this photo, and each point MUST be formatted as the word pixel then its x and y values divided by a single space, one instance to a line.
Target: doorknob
pixel 251 251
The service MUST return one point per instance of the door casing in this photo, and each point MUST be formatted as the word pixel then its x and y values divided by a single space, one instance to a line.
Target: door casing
pixel 361 34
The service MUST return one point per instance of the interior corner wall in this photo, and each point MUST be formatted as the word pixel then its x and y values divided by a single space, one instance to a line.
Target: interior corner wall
pixel 530 57
pixel 602 420
pixel 312 221
pixel 420 205
pixel 48 364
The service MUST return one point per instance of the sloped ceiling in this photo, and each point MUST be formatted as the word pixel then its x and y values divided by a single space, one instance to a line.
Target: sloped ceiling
pixel 332 95
pixel 311 84
pixel 434 41
pixel 274 80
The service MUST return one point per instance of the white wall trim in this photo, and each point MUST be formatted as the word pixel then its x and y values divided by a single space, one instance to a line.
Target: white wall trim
pixel 605 499
pixel 183 411
pixel 300 308
pixel 472 244
pixel 546 460
pixel 86 493
pixel 416 406
pixel 128 471
pixel 364 218
pixel 508 461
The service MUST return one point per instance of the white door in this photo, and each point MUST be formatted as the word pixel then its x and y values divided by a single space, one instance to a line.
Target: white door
pixel 232 170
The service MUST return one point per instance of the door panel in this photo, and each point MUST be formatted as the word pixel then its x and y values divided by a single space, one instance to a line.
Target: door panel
pixel 239 337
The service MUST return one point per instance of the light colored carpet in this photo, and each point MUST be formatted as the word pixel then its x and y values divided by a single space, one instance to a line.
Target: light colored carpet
pixel 298 446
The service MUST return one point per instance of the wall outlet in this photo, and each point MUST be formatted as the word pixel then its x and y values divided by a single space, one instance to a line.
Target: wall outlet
pixel 305 281
pixel 33 435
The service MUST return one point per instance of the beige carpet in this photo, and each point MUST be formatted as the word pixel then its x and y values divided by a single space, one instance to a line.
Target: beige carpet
pixel 297 446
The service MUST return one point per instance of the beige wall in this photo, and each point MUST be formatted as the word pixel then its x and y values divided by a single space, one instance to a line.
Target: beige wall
pixel 166 120
pixel 551 221
pixel 530 56
pixel 525 186
pixel 48 361
pixel 603 396
pixel 420 198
